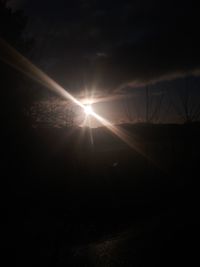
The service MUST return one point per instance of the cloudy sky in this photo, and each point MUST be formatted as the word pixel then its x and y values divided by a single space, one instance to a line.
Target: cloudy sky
pixel 112 45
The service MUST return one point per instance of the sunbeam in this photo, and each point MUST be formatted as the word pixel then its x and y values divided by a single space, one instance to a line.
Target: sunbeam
pixel 12 57
pixel 88 110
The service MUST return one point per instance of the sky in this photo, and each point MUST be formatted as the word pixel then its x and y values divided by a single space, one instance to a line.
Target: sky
pixel 109 46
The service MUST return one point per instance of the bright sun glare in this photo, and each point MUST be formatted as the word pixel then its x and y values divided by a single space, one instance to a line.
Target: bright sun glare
pixel 88 110
pixel 22 64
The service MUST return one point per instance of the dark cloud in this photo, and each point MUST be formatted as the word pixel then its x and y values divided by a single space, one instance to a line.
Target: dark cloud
pixel 111 43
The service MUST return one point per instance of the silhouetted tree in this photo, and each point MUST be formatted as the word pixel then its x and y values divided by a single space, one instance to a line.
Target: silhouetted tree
pixel 131 109
pixel 128 110
pixel 154 103
pixel 186 106
pixel 52 114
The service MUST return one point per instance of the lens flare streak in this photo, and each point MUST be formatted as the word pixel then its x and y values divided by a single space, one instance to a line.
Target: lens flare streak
pixel 13 58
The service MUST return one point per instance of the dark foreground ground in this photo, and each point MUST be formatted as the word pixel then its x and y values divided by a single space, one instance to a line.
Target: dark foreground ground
pixel 68 202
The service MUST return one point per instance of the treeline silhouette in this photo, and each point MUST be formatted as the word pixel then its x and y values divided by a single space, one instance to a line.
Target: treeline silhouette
pixel 69 201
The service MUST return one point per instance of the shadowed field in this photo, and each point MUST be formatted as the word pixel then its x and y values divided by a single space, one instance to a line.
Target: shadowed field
pixel 70 202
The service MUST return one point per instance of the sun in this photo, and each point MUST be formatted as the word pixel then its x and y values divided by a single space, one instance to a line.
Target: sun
pixel 88 110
